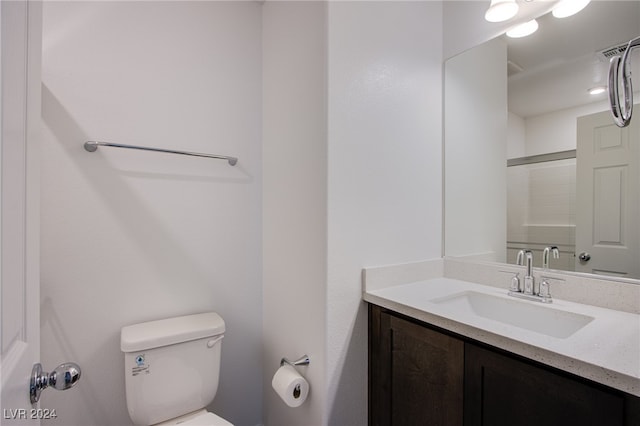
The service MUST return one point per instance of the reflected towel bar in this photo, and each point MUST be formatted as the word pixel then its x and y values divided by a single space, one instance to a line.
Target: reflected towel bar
pixel 92 146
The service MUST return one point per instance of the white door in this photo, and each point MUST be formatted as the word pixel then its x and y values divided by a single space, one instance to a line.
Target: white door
pixel 608 193
pixel 20 48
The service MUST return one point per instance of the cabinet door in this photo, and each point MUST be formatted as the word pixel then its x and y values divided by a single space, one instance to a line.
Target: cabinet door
pixel 500 390
pixel 416 374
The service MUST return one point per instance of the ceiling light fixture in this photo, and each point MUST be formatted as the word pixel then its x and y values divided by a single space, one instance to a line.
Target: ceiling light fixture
pixel 523 30
pixel 501 10
pixel 569 7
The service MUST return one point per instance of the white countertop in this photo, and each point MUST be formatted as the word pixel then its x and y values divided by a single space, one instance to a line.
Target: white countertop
pixel 606 350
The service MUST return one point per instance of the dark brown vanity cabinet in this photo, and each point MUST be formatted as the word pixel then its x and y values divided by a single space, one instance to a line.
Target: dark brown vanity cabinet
pixel 419 375
pixel 415 373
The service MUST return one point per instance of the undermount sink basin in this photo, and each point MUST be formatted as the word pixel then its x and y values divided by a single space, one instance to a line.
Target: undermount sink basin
pixel 540 319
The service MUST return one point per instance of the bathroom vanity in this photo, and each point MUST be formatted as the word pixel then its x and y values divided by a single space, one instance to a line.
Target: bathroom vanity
pixel 421 374
pixel 444 351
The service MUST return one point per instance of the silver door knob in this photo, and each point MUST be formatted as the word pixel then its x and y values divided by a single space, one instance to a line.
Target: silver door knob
pixel 63 377
pixel 584 256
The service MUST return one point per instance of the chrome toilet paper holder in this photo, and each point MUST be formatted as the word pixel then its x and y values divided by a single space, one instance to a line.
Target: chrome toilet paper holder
pixel 303 360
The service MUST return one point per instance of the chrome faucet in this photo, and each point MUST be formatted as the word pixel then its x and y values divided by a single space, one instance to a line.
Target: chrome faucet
pixel 529 281
pixel 525 258
pixel 528 277
pixel 545 255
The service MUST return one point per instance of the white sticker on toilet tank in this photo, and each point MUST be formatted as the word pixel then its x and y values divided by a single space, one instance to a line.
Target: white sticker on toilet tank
pixel 141 366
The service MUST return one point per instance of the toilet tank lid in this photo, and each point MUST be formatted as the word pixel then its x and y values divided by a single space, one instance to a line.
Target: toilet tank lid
pixel 154 334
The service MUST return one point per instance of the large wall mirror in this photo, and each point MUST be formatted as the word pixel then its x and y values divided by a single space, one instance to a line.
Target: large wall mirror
pixel 532 159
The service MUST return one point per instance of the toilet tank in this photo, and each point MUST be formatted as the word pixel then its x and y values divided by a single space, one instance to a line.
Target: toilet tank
pixel 172 366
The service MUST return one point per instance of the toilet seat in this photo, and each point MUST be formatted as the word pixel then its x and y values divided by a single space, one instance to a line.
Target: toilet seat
pixel 199 418
pixel 207 419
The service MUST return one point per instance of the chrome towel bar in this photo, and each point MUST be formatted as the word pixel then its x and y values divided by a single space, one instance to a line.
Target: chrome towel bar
pixel 92 146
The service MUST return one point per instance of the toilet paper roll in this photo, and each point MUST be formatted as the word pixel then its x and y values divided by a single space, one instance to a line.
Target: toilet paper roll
pixel 290 386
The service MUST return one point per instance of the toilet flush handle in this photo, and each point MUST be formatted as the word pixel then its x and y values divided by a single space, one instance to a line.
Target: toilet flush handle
pixel 211 343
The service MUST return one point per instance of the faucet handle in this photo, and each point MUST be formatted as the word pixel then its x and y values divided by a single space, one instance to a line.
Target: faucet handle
pixel 545 291
pixel 515 283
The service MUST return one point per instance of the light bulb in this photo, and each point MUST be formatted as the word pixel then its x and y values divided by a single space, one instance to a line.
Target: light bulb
pixel 501 10
pixel 569 7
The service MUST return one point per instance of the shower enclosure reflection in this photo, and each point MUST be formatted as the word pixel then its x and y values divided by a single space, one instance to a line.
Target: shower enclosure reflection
pixel 541 209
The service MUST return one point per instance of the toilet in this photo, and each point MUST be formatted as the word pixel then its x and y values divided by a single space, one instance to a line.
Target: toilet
pixel 172 369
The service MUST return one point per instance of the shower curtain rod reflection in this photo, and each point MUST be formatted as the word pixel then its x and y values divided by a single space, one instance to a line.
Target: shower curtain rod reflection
pixel 92 146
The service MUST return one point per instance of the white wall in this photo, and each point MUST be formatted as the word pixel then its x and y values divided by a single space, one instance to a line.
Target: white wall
pixel 384 170
pixel 133 236
pixel 352 178
pixel 384 182
pixel 295 201
pixel 516 141
pixel 556 131
pixel 475 151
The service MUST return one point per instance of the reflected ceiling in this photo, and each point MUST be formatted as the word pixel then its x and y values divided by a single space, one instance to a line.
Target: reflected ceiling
pixel 563 54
